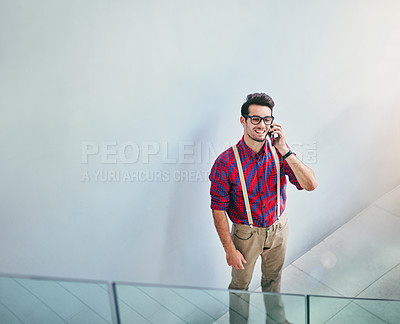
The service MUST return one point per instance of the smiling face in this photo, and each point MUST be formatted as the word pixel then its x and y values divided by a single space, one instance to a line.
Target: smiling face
pixel 259 132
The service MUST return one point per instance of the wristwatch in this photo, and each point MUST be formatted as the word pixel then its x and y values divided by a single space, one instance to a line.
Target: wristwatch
pixel 287 154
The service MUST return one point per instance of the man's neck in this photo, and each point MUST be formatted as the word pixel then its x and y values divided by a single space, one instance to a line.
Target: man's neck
pixel 254 145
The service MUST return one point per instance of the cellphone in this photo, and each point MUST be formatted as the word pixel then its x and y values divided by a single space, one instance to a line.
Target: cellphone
pixel 274 137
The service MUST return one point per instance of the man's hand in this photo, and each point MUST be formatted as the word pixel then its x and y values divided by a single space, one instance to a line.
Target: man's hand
pixel 235 259
pixel 304 175
pixel 280 142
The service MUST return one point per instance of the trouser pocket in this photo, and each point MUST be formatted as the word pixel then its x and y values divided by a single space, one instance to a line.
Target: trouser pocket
pixel 242 232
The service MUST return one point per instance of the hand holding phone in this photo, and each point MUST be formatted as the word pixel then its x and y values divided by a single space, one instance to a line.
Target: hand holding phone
pixel 278 138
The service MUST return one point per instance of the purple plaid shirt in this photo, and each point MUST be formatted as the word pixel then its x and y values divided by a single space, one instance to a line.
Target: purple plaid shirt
pixel 260 176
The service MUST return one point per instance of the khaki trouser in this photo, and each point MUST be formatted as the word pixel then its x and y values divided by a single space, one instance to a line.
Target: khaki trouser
pixel 269 243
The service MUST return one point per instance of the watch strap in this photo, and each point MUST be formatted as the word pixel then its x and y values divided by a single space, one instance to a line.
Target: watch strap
pixel 287 154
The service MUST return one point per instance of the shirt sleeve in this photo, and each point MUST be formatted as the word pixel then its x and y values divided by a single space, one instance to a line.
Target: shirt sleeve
pixel 219 189
pixel 289 172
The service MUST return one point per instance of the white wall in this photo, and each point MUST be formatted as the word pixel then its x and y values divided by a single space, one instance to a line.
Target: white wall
pixel 76 74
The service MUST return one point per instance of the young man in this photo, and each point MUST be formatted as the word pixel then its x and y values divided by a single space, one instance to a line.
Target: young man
pixel 262 228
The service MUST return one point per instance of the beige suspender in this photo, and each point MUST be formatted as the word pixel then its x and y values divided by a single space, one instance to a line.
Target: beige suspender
pixel 243 183
pixel 278 179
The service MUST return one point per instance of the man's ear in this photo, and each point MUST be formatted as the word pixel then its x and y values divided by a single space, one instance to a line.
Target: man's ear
pixel 242 120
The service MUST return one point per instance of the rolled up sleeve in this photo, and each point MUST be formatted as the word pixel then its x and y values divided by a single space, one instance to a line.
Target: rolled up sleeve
pixel 219 189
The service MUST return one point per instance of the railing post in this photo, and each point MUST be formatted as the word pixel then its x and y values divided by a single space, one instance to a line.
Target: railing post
pixel 114 304
pixel 307 309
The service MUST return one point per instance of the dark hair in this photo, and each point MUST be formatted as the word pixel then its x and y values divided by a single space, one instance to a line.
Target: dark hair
pixel 260 99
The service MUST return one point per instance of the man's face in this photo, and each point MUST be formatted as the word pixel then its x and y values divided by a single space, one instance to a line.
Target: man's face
pixel 258 132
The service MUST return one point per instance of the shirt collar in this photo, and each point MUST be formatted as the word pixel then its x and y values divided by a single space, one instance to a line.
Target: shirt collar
pixel 247 150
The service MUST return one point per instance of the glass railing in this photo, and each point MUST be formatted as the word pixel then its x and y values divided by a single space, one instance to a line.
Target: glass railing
pixel 339 310
pixel 40 300
pixel 149 304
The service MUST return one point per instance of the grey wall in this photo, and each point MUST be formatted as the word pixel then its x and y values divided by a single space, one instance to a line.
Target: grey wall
pixel 146 94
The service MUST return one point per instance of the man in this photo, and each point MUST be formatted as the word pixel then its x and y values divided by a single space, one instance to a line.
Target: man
pixel 262 228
